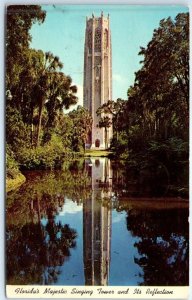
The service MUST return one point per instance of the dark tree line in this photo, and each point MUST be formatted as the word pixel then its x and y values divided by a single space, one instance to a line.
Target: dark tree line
pixel 160 95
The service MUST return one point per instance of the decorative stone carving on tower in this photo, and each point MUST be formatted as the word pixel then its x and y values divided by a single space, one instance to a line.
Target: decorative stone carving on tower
pixel 97 76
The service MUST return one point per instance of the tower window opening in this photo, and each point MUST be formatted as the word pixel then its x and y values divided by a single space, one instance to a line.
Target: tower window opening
pixel 97 143
pixel 98 40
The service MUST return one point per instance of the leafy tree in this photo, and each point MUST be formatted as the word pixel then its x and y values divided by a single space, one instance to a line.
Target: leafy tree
pixel 17 132
pixel 53 89
pixel 62 95
pixel 20 18
pixel 50 64
pixel 34 79
pixel 82 126
pixel 159 101
pixel 63 128
pixel 21 67
pixel 115 109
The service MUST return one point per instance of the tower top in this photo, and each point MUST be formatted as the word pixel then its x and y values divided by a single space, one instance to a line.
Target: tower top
pixel 97 18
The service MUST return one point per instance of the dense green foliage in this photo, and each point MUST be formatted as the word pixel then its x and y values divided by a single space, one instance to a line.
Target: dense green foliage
pixel 113 113
pixel 156 116
pixel 10 160
pixel 82 124
pixel 14 177
pixel 38 132
pixel 151 126
pixel 158 103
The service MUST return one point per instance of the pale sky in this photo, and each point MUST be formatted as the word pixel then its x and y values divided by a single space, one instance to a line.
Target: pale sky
pixel 63 33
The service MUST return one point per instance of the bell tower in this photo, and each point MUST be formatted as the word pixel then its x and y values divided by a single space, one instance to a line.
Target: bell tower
pixel 97 76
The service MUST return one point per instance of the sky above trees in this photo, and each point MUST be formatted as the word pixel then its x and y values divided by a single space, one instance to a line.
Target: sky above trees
pixel 63 34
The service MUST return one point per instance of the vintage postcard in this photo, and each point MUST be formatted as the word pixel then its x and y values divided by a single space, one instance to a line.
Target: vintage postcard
pixel 97 151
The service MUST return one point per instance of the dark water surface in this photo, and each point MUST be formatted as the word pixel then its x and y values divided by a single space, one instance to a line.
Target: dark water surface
pixel 93 224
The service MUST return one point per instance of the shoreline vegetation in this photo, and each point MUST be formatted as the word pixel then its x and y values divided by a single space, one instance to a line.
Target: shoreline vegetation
pixel 14 182
pixel 150 127
pixel 144 171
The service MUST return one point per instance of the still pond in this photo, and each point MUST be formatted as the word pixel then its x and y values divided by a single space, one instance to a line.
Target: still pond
pixel 94 223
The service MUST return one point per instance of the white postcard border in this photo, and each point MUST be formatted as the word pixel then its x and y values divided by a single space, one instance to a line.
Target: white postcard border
pixel 178 292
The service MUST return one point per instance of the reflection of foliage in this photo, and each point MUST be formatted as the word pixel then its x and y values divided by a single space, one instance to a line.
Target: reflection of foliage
pixel 149 177
pixel 163 247
pixel 47 189
pixel 35 252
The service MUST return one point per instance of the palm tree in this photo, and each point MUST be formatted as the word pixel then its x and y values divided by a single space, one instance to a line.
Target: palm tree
pixel 42 89
pixel 62 95
pixel 83 124
pixel 87 126
pixel 115 109
pixel 106 123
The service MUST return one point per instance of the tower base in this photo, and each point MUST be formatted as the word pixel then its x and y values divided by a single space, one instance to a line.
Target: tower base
pixel 101 147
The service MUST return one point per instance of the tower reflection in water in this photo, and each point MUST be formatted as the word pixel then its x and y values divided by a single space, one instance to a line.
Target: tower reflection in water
pixel 97 223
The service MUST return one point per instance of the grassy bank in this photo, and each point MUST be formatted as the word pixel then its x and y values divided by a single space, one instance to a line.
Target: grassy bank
pixel 14 181
pixel 97 153
pixel 14 178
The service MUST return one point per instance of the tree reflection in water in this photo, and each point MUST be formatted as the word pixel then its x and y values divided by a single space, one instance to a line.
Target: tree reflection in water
pixel 37 245
pixel 163 246
pixel 35 252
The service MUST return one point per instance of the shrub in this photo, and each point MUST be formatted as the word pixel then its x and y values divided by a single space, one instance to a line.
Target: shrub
pixel 11 163
pixel 37 158
pixel 171 150
pixel 17 133
pixel 49 156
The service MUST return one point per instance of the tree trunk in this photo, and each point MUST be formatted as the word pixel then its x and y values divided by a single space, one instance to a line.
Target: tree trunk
pixel 39 124
pixel 31 125
pixel 116 129
pixel 84 146
pixel 106 144
pixel 38 210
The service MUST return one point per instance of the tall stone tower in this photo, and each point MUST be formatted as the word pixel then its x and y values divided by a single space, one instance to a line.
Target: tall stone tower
pixel 97 76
